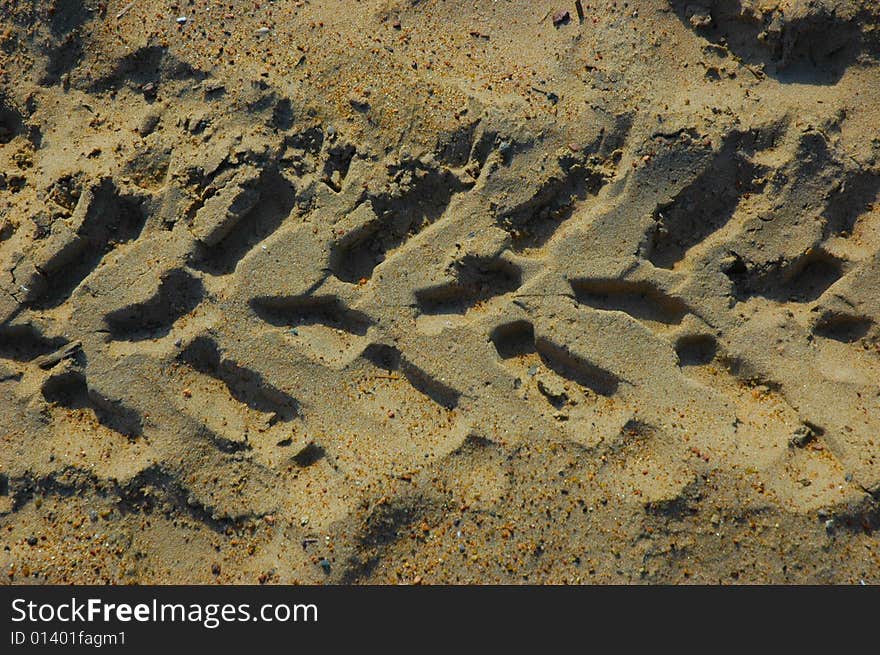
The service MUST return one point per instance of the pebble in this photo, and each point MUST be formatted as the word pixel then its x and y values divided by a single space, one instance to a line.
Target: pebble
pixel 801 437
pixel 700 18
pixel 148 125
pixel 561 17
pixel 325 564
pixel 181 20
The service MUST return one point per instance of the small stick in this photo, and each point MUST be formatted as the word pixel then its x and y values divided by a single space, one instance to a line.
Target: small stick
pixel 580 10
pixel 757 73
pixel 48 361
pixel 125 9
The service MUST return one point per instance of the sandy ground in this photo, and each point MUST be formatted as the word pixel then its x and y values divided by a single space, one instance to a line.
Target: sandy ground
pixel 433 291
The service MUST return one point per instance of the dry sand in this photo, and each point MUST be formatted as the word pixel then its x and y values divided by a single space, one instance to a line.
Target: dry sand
pixel 439 291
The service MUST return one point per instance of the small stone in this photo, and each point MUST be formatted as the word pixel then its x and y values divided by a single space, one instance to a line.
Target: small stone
pixel 561 17
pixel 325 565
pixel 801 437
pixel 215 568
pixel 148 125
pixel 181 20
pixel 699 17
pixel 32 540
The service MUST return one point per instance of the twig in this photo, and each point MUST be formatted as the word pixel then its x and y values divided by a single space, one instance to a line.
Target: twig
pixel 125 9
pixel 68 350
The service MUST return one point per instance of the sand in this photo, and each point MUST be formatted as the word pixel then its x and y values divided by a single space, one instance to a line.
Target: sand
pixel 433 291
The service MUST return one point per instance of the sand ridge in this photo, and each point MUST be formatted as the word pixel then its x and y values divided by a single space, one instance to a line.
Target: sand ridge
pixel 439 292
